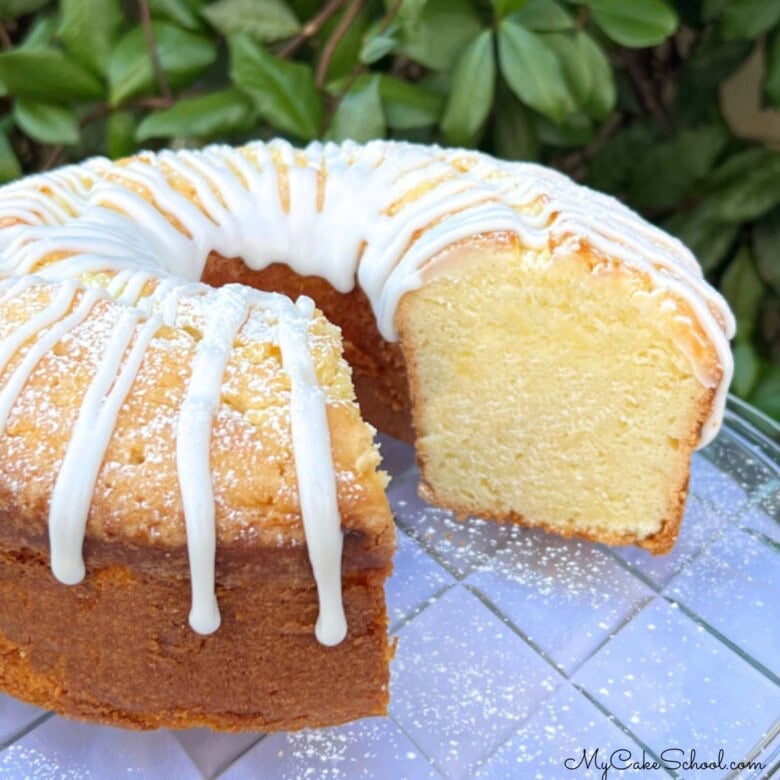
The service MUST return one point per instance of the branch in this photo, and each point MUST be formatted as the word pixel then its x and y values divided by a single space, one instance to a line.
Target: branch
pixel 574 164
pixel 360 67
pixel 5 39
pixel 54 156
pixel 645 89
pixel 146 22
pixel 311 28
pixel 333 41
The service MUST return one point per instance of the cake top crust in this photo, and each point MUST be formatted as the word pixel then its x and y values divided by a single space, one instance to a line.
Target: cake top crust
pixel 371 214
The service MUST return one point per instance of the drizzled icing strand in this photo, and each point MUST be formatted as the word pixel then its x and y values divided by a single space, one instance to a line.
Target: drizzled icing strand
pixel 227 310
pixel 91 435
pixel 316 487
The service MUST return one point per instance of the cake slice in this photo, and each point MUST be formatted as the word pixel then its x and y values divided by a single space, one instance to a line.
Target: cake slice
pixel 139 641
pixel 559 388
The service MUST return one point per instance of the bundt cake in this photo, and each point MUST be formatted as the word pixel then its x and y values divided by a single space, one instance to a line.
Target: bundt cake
pixel 554 358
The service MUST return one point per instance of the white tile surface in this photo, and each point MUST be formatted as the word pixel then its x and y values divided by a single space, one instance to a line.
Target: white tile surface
pixel 700 523
pixel 710 483
pixel 212 752
pixel 398 457
pixel 373 748
pixel 463 681
pixel 416 578
pixel 675 686
pixel 567 596
pixel 735 586
pixel 62 749
pixel 461 547
pixel 15 717
pixel 567 736
pixel 737 463
pixel 764 517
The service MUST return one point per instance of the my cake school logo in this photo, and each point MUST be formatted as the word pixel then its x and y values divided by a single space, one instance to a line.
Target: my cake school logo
pixel 674 758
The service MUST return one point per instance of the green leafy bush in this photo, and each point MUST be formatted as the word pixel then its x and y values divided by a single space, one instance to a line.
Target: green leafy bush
pixel 628 97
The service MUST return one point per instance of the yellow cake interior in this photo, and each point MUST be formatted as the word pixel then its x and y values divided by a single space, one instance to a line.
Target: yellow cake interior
pixel 553 389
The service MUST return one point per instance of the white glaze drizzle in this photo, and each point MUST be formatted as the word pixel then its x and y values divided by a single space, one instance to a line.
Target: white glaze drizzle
pixel 75 483
pixel 313 467
pixel 226 312
pixel 103 225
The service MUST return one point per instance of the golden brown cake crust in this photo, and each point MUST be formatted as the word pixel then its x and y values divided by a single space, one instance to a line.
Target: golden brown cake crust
pixel 117 647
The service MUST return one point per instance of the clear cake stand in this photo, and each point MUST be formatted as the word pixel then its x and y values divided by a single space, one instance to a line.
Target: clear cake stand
pixel 521 654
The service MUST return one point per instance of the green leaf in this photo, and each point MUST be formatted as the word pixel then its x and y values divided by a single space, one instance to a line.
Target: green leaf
pixel 41 73
pixel 669 170
pixel 183 56
pixel 9 165
pixel 611 167
pixel 602 97
pixel 575 130
pixel 206 116
pixel 704 234
pixel 12 9
pixel 742 286
pixel 636 24
pixel 359 114
pixel 746 368
pixel 733 168
pixel 120 134
pixel 184 13
pixel 471 94
pixel 88 29
pixel 571 58
pixel 409 106
pixel 283 92
pixel 265 20
pixel 532 70
pixel 41 32
pixel 701 75
pixel 441 33
pixel 543 16
pixel 506 7
pixel 49 123
pixel 710 9
pixel 377 47
pixel 749 18
pixel 766 246
pixel 409 11
pixel 514 134
pixel 766 395
pixel 772 70
pixel 746 185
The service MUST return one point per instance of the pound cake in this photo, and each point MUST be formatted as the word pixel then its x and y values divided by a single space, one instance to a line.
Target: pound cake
pixel 554 358
pixel 208 457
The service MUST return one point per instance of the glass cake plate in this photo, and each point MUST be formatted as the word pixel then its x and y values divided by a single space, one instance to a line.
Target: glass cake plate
pixel 520 654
